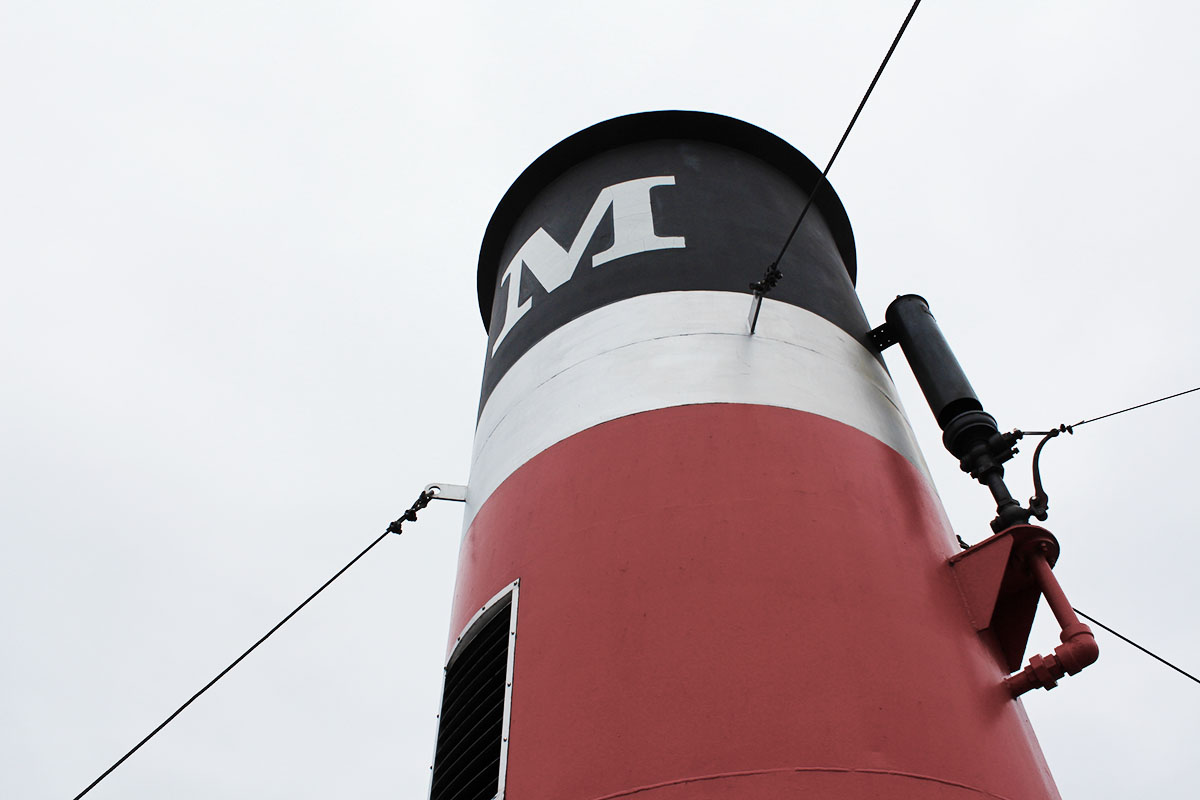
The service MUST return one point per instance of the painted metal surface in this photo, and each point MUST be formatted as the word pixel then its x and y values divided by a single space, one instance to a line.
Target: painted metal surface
pixel 783 617
pixel 712 210
pixel 733 565
pixel 678 348
pixel 447 491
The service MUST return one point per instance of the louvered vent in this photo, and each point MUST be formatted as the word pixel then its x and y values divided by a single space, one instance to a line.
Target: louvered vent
pixel 466 765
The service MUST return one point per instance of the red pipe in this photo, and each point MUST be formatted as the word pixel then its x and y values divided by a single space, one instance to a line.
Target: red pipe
pixel 1078 648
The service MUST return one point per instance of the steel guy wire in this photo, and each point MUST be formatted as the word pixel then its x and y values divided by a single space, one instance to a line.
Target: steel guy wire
pixel 408 516
pixel 1135 644
pixel 1134 408
pixel 772 275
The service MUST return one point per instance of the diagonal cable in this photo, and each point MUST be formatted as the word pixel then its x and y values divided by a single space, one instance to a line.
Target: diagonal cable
pixel 1134 408
pixel 409 515
pixel 772 275
pixel 1128 641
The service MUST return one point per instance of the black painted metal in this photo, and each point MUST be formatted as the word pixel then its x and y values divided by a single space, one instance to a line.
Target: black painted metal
pixel 882 337
pixel 938 372
pixel 968 432
pixel 735 195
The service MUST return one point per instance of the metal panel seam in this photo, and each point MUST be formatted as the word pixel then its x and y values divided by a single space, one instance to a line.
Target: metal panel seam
pixel 787 770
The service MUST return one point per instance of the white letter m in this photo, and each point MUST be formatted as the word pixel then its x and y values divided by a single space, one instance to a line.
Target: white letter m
pixel 633 232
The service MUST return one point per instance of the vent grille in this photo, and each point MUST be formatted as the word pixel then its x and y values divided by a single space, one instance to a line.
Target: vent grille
pixel 466 764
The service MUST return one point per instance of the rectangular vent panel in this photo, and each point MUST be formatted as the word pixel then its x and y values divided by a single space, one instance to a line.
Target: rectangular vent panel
pixel 467 762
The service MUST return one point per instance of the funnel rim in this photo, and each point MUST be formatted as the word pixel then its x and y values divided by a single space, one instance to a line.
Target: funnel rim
pixel 648 126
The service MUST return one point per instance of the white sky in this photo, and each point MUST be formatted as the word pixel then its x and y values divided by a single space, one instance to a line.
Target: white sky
pixel 238 333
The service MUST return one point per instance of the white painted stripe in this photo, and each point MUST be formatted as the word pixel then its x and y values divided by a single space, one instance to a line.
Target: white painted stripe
pixel 673 349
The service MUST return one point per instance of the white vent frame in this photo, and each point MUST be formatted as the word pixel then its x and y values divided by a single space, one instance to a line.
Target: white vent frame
pixel 469 631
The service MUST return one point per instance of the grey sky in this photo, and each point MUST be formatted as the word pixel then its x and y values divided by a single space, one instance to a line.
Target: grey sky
pixel 238 333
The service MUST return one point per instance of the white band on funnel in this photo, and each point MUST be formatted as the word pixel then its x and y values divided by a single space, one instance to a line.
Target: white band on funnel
pixel 673 349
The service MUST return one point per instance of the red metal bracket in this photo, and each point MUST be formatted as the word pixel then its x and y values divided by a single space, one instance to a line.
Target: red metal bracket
pixel 1001 580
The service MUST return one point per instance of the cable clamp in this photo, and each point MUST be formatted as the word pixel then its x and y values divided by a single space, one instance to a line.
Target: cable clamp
pixel 411 514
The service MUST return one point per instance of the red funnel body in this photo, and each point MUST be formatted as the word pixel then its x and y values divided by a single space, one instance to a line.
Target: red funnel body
pixel 731 561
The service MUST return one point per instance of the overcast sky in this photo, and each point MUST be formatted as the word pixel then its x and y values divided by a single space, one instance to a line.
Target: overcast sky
pixel 239 333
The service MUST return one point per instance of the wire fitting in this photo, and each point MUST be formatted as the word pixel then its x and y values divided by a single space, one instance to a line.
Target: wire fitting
pixel 411 514
pixel 769 280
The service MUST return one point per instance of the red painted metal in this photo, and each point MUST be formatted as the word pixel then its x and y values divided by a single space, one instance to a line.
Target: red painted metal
pixel 741 601
pixel 1078 648
pixel 999 590
pixel 1001 580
